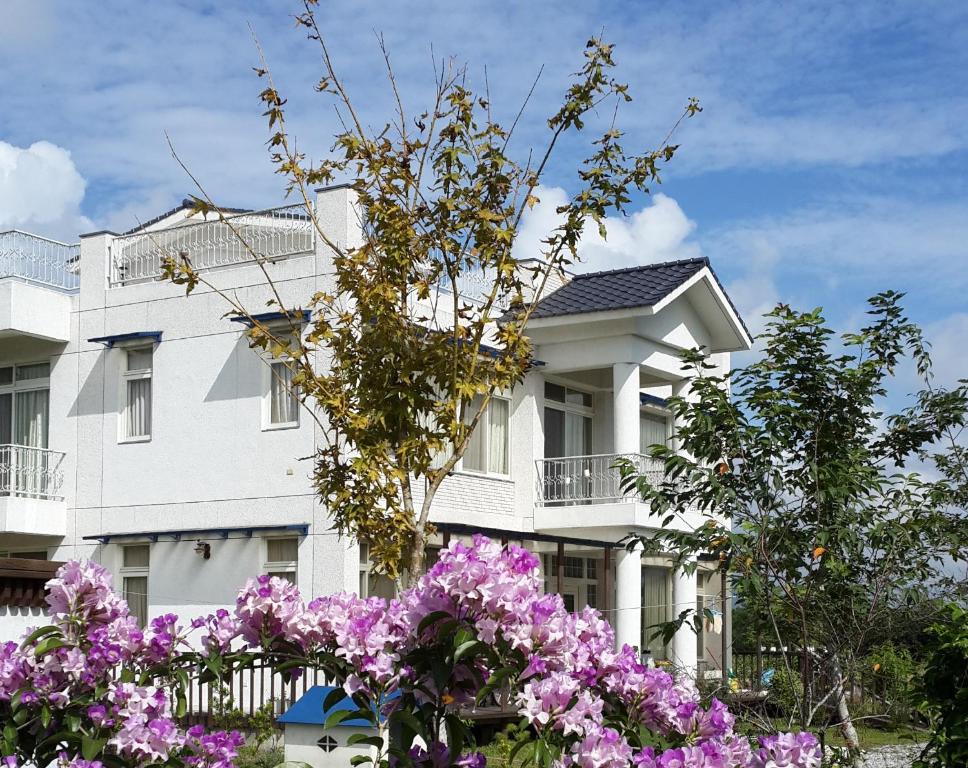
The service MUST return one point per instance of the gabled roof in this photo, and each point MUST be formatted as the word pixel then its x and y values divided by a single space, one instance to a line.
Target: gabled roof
pixel 648 285
pixel 626 288
pixel 185 205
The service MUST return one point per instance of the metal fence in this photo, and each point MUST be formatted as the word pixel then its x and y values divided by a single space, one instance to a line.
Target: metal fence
pixel 34 473
pixel 274 233
pixel 36 259
pixel 590 479
pixel 246 692
pixel 866 693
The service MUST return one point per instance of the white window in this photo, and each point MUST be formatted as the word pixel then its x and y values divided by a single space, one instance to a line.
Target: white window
pixel 282 557
pixel 135 559
pixel 653 430
pixel 280 401
pixel 580 578
pixel 567 421
pixel 25 554
pixel 25 404
pixel 488 447
pixel 136 395
pixel 372 583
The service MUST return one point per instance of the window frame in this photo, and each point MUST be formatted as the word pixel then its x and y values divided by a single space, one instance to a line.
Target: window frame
pixel 280 567
pixel 136 572
pixel 27 385
pixel 483 429
pixel 140 374
pixel 282 329
pixel 584 411
pixel 649 409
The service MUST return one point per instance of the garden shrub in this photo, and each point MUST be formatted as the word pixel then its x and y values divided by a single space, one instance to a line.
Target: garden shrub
pixel 93 689
pixel 943 695
pixel 890 673
pixel 786 692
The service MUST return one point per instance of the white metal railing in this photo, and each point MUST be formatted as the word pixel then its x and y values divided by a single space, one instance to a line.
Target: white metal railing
pixel 589 479
pixel 274 233
pixel 36 259
pixel 31 472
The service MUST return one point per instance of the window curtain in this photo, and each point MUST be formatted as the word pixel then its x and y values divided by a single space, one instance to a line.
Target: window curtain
pixel 497 438
pixel 31 417
pixel 655 608
pixel 139 408
pixel 282 400
pixel 653 431
pixel 136 596
pixel 475 460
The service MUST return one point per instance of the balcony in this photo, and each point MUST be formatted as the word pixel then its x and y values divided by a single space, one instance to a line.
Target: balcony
pixel 271 234
pixel 586 492
pixel 30 491
pixel 37 276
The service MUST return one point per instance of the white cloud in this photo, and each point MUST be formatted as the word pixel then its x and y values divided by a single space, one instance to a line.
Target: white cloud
pixel 947 337
pixel 660 231
pixel 41 190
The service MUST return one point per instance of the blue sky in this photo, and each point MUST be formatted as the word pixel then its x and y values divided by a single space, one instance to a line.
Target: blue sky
pixel 829 162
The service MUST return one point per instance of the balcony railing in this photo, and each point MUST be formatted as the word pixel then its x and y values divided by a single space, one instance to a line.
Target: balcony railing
pixel 589 479
pixel 33 473
pixel 36 259
pixel 274 233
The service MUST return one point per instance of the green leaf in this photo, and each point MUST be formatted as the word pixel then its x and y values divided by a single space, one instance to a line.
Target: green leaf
pixel 338 716
pixel 91 747
pixel 362 738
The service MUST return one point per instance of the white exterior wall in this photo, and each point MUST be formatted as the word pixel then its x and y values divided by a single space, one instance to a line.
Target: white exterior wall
pixel 210 464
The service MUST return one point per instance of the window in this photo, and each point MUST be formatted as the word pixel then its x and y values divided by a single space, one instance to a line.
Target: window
pixel 653 430
pixel 487 448
pixel 280 400
pixel 282 557
pixel 567 422
pixel 25 554
pixel 136 395
pixel 25 405
pixel 373 584
pixel 135 559
pixel 656 599
pixel 580 580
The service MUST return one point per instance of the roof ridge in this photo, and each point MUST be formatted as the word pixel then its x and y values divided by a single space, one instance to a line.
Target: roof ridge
pixel 185 203
pixel 642 267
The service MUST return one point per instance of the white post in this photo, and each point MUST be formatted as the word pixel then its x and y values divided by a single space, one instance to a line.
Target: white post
pixel 684 651
pixel 628 598
pixel 625 417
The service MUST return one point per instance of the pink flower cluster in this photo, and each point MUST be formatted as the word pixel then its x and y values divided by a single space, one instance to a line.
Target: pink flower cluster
pixel 571 684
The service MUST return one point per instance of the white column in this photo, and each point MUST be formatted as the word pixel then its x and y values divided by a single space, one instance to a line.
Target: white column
pixel 625 417
pixel 680 388
pixel 628 598
pixel 684 653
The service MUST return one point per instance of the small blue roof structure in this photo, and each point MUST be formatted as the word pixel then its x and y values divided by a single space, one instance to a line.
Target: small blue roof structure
pixel 308 709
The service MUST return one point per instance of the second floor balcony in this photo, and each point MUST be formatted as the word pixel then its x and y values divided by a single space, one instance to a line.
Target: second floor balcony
pixel 592 479
pixel 30 491
pixel 37 276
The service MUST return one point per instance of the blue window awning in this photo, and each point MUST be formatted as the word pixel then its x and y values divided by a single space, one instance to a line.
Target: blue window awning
pixel 110 341
pixel 646 399
pixel 246 532
pixel 299 315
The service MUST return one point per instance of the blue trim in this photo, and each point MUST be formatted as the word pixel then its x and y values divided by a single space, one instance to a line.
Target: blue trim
pixel 645 399
pixel 308 709
pixel 301 315
pixel 110 341
pixel 247 531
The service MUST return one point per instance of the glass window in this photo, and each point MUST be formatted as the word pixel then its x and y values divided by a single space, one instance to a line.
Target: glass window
pixel 135 561
pixel 487 448
pixel 554 392
pixel 653 430
pixel 136 390
pixel 282 557
pixel 372 583
pixel 6 376
pixel 655 607
pixel 283 403
pixel 33 371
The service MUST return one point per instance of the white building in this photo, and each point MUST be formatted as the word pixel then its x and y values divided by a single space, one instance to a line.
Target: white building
pixel 139 428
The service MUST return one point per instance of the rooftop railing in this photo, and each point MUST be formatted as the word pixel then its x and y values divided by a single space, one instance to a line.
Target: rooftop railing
pixel 34 473
pixel 274 233
pixel 590 479
pixel 35 259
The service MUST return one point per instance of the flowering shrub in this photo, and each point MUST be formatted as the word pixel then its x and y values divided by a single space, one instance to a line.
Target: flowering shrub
pixel 93 687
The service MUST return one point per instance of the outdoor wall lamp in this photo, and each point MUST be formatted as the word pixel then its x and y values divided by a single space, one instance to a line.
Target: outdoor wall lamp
pixel 203 548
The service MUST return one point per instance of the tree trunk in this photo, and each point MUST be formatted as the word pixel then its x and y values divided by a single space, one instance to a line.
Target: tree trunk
pixel 846 724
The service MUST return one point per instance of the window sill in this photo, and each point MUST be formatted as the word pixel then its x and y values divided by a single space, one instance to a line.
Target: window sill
pixel 141 439
pixel 481 475
pixel 278 427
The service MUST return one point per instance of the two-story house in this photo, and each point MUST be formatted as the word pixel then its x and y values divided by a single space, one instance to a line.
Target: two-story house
pixel 138 428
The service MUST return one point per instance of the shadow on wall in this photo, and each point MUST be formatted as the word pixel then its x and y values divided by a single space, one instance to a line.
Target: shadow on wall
pixel 240 376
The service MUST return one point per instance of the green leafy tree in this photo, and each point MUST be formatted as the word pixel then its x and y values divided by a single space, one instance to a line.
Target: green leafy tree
pixel 400 361
pixel 795 471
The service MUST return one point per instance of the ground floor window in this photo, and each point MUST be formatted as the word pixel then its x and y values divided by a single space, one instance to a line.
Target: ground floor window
pixel 373 583
pixel 135 561
pixel 656 597
pixel 25 554
pixel 581 579
pixel 282 557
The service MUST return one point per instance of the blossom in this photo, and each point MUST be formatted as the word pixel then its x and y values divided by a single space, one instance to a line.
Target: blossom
pixel 268 607
pixel 788 750
pixel 81 590
pixel 212 750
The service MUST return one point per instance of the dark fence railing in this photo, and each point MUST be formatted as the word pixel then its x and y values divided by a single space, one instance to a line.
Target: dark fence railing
pixel 245 693
pixel 867 692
